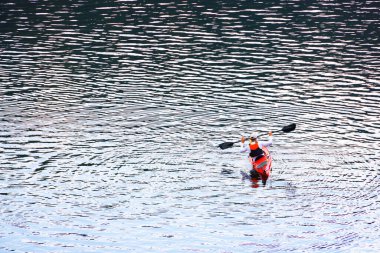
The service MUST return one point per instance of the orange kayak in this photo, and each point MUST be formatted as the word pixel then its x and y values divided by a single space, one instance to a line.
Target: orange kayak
pixel 261 166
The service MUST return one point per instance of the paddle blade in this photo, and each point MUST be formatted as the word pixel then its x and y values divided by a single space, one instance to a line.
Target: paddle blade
pixel 287 129
pixel 226 145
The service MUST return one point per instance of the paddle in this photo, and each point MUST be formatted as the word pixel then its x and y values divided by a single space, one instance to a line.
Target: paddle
pixel 285 129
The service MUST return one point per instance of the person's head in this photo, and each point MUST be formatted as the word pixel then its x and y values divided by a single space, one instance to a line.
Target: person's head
pixel 253 136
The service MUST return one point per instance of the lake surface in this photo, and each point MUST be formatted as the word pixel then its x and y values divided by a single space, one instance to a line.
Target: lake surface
pixel 111 113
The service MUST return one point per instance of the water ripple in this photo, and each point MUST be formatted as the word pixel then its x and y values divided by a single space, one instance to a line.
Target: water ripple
pixel 111 115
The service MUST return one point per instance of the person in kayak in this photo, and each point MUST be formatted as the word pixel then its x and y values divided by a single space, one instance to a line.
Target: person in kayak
pixel 256 154
pixel 255 147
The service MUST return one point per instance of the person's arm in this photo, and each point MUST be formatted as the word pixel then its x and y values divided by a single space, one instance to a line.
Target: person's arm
pixel 269 142
pixel 243 146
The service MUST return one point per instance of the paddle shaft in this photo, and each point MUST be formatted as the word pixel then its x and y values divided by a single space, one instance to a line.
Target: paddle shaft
pixel 285 129
pixel 260 135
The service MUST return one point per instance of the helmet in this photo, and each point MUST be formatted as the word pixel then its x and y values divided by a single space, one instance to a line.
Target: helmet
pixel 254 135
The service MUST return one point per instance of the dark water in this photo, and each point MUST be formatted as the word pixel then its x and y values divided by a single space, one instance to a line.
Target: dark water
pixel 111 112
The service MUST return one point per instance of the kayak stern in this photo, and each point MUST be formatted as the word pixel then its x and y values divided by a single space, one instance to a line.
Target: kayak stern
pixel 262 167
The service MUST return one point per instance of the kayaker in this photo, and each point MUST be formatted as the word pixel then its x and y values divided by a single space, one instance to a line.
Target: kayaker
pixel 255 147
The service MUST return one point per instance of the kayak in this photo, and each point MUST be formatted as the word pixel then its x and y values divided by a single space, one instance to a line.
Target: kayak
pixel 261 167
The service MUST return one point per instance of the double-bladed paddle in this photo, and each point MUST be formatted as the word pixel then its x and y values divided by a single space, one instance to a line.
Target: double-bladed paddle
pixel 285 129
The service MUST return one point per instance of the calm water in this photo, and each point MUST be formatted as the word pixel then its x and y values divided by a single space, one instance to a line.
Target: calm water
pixel 111 111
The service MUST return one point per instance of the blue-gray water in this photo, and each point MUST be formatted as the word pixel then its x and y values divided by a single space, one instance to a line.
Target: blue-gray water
pixel 111 111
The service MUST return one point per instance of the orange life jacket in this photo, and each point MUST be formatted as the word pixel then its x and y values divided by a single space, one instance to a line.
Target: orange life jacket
pixel 254 146
pixel 255 149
